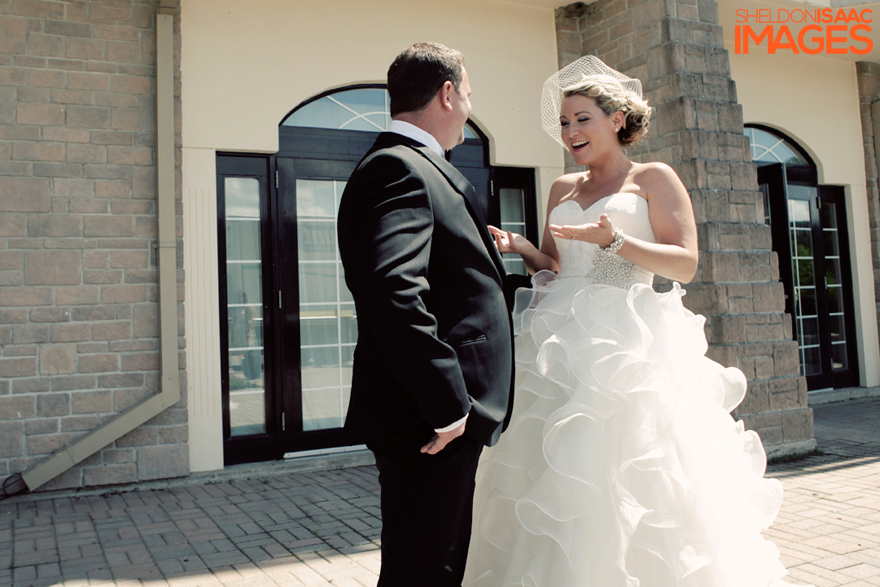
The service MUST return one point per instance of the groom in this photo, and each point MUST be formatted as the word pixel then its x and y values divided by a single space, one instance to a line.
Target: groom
pixel 434 358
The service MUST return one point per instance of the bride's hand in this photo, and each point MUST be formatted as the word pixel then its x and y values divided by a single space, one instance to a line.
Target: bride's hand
pixel 601 233
pixel 510 242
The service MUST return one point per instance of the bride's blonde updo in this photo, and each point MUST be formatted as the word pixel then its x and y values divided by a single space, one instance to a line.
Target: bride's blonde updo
pixel 611 97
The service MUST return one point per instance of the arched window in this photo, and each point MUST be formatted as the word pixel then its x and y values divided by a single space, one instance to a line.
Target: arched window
pixel 768 147
pixel 365 109
pixel 808 226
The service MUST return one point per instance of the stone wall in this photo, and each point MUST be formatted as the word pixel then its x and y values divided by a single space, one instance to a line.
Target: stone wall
pixel 676 48
pixel 869 92
pixel 78 312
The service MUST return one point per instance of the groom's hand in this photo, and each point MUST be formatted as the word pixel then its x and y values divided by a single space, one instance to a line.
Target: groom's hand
pixel 441 439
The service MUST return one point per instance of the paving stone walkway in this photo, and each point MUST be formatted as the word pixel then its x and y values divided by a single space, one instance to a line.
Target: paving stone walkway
pixel 829 528
pixel 322 528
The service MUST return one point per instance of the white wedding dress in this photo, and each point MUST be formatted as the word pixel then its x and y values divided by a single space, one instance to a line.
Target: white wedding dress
pixel 621 466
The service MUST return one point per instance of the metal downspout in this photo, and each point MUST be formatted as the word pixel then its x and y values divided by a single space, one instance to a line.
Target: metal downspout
pixel 169 394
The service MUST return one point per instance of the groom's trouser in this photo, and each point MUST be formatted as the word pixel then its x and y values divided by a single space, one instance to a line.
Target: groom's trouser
pixel 426 508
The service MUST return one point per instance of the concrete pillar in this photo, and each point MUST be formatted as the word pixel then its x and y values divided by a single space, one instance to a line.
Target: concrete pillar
pixel 869 94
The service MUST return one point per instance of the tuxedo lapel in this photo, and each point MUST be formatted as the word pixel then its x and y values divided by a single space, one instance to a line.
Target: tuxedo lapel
pixel 464 187
pixel 458 182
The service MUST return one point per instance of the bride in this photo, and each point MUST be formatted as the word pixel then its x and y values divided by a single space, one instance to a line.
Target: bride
pixel 621 465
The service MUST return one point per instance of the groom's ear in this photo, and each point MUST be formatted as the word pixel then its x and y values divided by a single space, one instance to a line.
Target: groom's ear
pixel 445 95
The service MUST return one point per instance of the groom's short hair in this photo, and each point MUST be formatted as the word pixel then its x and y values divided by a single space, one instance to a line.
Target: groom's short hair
pixel 417 74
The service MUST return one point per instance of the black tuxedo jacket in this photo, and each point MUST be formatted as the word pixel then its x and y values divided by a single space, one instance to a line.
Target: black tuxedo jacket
pixel 434 333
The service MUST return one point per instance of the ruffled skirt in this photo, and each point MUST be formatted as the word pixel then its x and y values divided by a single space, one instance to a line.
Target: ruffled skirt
pixel 622 465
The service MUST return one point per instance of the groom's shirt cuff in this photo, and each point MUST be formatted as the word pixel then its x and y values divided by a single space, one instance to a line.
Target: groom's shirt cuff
pixel 452 426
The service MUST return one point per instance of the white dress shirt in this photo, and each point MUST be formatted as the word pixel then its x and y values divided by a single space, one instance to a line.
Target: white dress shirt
pixel 417 134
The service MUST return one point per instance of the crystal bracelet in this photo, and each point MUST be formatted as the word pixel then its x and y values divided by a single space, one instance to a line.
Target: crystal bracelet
pixel 615 245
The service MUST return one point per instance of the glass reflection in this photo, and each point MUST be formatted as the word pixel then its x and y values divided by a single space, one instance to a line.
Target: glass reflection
pixel 803 243
pixel 801 233
pixel 765 192
pixel 834 284
pixel 809 331
pixel 832 272
pixel 516 266
pixel 799 213
pixel 513 218
pixel 828 215
pixel 317 283
pixel 829 240
pixel 806 301
pixel 242 197
pixel 768 147
pixel 347 356
pixel 328 327
pixel 805 274
pixel 319 325
pixel 835 326
pixel 838 356
pixel 244 298
pixel 364 109
pixel 320 367
pixel 322 408
pixel 810 361
pixel 348 330
pixel 316 240
pixel 835 299
pixel 244 282
pixel 317 199
pixel 242 239
pixel 512 205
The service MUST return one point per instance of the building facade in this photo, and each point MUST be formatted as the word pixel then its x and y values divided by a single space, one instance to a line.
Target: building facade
pixel 216 135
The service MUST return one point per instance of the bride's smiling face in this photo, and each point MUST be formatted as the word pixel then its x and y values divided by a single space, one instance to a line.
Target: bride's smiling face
pixel 586 130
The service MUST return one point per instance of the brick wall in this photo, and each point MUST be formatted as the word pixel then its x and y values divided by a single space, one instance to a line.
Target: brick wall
pixel 675 47
pixel 869 92
pixel 78 312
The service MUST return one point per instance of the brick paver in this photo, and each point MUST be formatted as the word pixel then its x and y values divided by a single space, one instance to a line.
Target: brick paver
pixel 829 528
pixel 322 528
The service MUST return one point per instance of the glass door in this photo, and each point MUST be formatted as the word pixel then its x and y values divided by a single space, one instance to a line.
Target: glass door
pixel 838 285
pixel 327 321
pixel 514 205
pixel 809 235
pixel 244 295
pixel 319 330
pixel 804 261
pixel 244 237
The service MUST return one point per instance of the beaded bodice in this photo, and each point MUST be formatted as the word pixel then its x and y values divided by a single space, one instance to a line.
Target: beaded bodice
pixel 577 258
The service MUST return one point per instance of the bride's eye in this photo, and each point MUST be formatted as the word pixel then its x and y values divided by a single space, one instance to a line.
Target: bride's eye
pixel 563 123
pixel 583 119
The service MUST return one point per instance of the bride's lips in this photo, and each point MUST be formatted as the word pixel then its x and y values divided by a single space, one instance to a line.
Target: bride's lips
pixel 575 146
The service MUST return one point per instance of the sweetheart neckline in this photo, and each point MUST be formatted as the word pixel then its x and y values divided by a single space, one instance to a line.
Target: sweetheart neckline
pixel 597 201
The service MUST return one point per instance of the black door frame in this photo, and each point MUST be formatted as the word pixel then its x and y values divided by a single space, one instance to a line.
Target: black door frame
pixel 777 177
pixel 264 446
pixel 288 325
pixel 848 377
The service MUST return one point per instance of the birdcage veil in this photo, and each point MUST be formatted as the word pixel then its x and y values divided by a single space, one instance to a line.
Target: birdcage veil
pixel 584 68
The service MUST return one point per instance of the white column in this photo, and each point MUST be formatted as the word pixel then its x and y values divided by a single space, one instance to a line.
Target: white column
pixel 200 260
